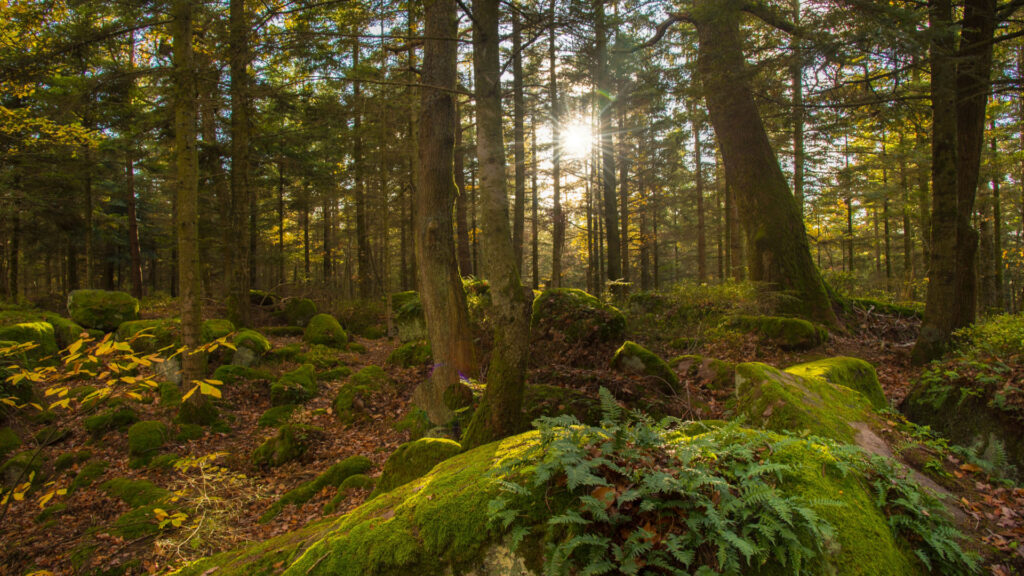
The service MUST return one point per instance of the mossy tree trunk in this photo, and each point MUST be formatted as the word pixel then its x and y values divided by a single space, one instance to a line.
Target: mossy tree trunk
pixel 444 301
pixel 241 134
pixel 603 82
pixel 778 254
pixel 558 224
pixel 500 412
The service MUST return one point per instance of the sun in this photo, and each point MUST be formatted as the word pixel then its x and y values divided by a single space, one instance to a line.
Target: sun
pixel 577 139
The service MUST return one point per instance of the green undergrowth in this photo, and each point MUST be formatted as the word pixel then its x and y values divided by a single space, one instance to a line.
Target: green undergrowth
pixel 333 476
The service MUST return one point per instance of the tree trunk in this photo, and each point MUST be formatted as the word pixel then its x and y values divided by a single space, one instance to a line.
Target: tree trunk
pixel 500 411
pixel 534 207
pixel 135 271
pixel 558 224
pixel 519 136
pixel 702 248
pixel 364 252
pixel 444 301
pixel 603 82
pixel 280 222
pixel 997 225
pixel 623 182
pixel 461 199
pixel 779 256
pixel 241 135
pixel 796 72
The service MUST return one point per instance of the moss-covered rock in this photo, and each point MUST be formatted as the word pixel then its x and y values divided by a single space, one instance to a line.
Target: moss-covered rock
pixel 50 435
pixel 853 373
pixel 20 467
pixel 87 475
pixel 354 482
pixel 294 387
pixel 148 336
pixel 170 394
pixel 409 354
pixel 321 357
pixel 440 524
pixel 324 329
pixel 198 410
pixel 634 358
pixel 136 523
pixel 145 438
pixel 263 298
pixel 298 311
pixel 349 403
pixel 712 373
pixel 333 476
pixel 232 375
pixel 572 325
pixel 9 442
pixel 252 340
pixel 290 443
pixel 41 333
pixel 276 416
pixel 408 315
pixel 786 333
pixel 65 330
pixel 113 418
pixel 102 309
pixel 543 400
pixel 283 330
pixel 287 353
pixel 414 460
pixel 215 328
pixel 68 459
pixel 781 401
pixel 415 421
pixel 135 492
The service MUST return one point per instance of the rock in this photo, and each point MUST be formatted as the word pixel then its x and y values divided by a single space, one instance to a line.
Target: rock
pixel 20 467
pixel 408 316
pixel 354 482
pixel 169 370
pixel 145 438
pixel 101 309
pixel 571 325
pixel 294 387
pixel 263 298
pixel 290 443
pixel 414 460
pixel 214 329
pixel 298 311
pixel 113 418
pixel 231 374
pixel 9 442
pixel 786 333
pixel 409 354
pixel 135 492
pixel 543 400
pixel 712 373
pixel 244 357
pixel 276 416
pixel 252 340
pixel 846 371
pixel 634 358
pixel 333 476
pixel 782 401
pixel 324 329
pixel 50 435
pixel 350 402
pixel 41 333
pixel 148 336
pixel 65 329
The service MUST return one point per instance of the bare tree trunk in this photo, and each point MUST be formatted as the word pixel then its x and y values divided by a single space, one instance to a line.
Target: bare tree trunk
pixel 239 274
pixel 535 204
pixel 558 224
pixel 603 81
pixel 364 252
pixel 702 247
pixel 519 136
pixel 797 84
pixel 462 198
pixel 444 301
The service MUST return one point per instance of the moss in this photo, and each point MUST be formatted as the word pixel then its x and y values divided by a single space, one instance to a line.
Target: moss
pixel 410 322
pixel 786 333
pixel 415 422
pixel 135 492
pixel 853 373
pixel 263 298
pixel 230 374
pixel 170 394
pixel 284 330
pixel 215 328
pixel 252 340
pixel 69 459
pixel 102 309
pixel 413 460
pixel 634 358
pixel 290 443
pixel 906 310
pixel 276 416
pixel 298 311
pixel 354 482
pixel 50 512
pixel 571 322
pixel 353 396
pixel 136 523
pixel 356 347
pixel 50 435
pixel 87 475
pixel 41 333
pixel 66 331
pixel 188 432
pixel 21 466
pixel 781 401
pixel 335 374
pixel 543 400
pixel 322 357
pixel 712 373
pixel 333 476
pixel 325 329
pixel 9 442
pixel 415 353
pixel 113 418
pixel 287 353
pixel 163 461
pixel 145 438
pixel 150 335
pixel 294 387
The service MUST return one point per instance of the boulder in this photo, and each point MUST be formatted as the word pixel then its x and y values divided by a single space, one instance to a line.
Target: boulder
pixel 409 354
pixel 294 387
pixel 102 309
pixel 215 328
pixel 846 371
pixel 290 443
pixel 148 336
pixel 350 402
pixel 145 438
pixel 324 329
pixel 712 373
pixel 414 460
pixel 635 359
pixel 333 476
pixel 571 325
pixel 784 332
pixel 298 311
pixel 40 333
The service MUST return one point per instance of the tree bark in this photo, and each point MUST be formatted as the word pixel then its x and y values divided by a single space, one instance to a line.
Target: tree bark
pixel 364 252
pixel 444 301
pixel 558 224
pixel 519 137
pixel 241 135
pixel 500 411
pixel 461 200
pixel 603 82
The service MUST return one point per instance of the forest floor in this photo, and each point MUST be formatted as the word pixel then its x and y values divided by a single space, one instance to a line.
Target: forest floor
pixel 225 493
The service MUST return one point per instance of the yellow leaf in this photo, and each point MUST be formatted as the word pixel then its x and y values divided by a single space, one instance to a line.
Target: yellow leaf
pixel 75 346
pixel 208 390
pixel 213 382
pixel 160 513
pixel 189 393
pixel 133 395
pixel 62 403
pixel 44 499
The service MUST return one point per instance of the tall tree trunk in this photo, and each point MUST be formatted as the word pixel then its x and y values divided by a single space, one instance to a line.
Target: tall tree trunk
pixel 603 82
pixel 702 248
pixel 779 255
pixel 364 252
pixel 187 198
pixel 558 224
pixel 444 301
pixel 997 224
pixel 796 72
pixel 241 134
pixel 280 222
pixel 135 270
pixel 500 411
pixel 534 206
pixel 461 200
pixel 519 137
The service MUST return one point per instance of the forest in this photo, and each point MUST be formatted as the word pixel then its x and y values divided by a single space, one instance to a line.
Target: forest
pixel 520 287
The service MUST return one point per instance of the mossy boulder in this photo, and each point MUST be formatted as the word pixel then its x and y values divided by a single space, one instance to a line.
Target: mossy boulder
pixel 283 330
pixel 198 410
pixel 784 332
pixel 290 443
pixel 573 326
pixel 353 482
pixel 635 359
pixel 350 402
pixel 230 374
pixel 9 442
pixel 276 416
pixel 252 340
pixel 409 354
pixel 50 435
pixel 41 333
pixel 112 418
pixel 544 400
pixel 20 467
pixel 263 298
pixel 215 328
pixel 407 310
pixel 135 492
pixel 102 309
pixel 333 477
pixel 294 387
pixel 414 460
pixel 440 524
pixel 65 330
pixel 150 335
pixel 782 401
pixel 88 474
pixel 846 371
pixel 711 373
pixel 298 311
pixel 324 329
pixel 145 438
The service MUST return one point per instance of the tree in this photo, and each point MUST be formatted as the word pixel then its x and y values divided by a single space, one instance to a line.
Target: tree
pixel 238 271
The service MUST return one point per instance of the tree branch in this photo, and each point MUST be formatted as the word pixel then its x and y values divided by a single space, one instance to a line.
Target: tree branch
pixel 770 17
pixel 662 28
